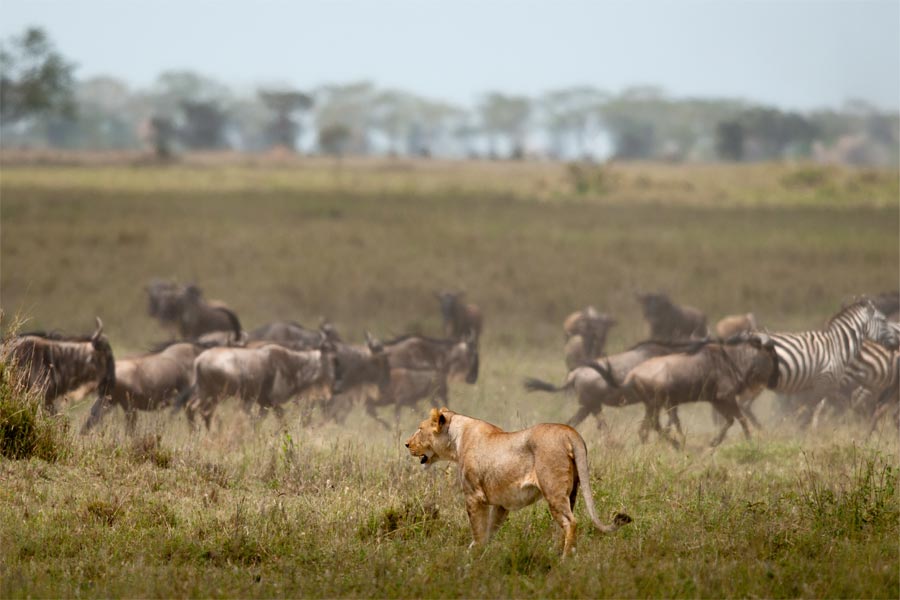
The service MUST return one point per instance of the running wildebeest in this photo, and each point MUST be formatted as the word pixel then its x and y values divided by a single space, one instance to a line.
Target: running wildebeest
pixel 147 382
pixel 715 373
pixel 53 364
pixel 668 321
pixel 185 310
pixel 586 331
pixel 268 376
pixel 591 389
pixel 461 319
pixel 732 325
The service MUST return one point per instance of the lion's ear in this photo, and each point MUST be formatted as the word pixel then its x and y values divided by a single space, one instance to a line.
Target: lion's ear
pixel 438 419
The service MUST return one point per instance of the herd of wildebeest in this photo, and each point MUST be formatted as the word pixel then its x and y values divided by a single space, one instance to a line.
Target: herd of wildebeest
pixel 851 366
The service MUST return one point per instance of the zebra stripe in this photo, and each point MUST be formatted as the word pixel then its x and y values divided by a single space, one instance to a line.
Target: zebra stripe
pixel 819 359
pixel 875 368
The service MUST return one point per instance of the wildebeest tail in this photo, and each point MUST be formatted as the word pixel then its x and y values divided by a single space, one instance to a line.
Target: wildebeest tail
pixel 235 322
pixel 537 385
pixel 183 398
pixel 606 373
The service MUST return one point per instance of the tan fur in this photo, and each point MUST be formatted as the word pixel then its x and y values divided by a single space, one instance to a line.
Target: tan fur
pixel 502 471
pixel 734 324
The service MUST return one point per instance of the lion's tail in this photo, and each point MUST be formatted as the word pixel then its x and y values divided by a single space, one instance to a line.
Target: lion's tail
pixel 579 449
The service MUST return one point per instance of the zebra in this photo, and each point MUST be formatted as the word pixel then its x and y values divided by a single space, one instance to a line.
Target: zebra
pixel 873 379
pixel 816 362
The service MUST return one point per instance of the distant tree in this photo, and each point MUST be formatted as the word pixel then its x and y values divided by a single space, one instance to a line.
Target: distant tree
pixel 162 136
pixel 393 114
pixel 204 125
pixel 335 139
pixel 35 79
pixel 285 128
pixel 351 105
pixel 506 116
pixel 730 140
pixel 568 114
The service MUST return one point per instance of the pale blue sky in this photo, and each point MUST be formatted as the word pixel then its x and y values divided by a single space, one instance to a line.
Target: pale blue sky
pixel 796 54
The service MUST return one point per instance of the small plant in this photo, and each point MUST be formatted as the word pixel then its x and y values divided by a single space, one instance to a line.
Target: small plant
pixel 149 448
pixel 26 430
pixel 588 178
pixel 408 521
pixel 806 177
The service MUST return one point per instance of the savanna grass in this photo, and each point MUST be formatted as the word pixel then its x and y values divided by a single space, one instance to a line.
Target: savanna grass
pixel 326 510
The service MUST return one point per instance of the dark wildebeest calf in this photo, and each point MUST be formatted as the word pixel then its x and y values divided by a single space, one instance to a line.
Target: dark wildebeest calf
pixel 147 383
pixel 53 364
pixel 416 367
pixel 461 320
pixel 714 373
pixel 186 310
pixel 668 321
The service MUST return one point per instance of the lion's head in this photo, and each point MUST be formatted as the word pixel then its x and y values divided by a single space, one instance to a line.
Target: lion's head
pixel 431 442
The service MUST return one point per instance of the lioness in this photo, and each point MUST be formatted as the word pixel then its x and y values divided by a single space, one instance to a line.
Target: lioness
pixel 502 471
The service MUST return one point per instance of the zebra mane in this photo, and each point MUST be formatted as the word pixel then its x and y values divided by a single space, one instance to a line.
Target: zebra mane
pixel 855 307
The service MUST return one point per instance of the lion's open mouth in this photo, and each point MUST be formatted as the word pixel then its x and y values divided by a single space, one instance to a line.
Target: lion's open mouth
pixel 424 459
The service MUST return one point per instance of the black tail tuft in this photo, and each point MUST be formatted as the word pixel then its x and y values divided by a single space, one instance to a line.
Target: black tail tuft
pixel 536 385
pixel 183 398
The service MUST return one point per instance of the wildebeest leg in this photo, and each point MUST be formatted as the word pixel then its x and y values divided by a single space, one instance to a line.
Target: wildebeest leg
pixel 581 415
pixel 370 410
pixel 130 420
pixel 646 422
pixel 672 415
pixel 99 410
pixel 729 410
pixel 745 403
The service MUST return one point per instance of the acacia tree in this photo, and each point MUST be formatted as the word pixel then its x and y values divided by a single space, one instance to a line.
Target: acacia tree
pixel 285 128
pixel 506 116
pixel 35 79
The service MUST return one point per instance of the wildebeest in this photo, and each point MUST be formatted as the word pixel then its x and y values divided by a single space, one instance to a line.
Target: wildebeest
pixel 268 376
pixel 461 319
pixel 409 368
pixel 715 372
pixel 186 310
pixel 54 364
pixel 888 303
pixel 294 335
pixel 586 331
pixel 591 389
pixel 668 321
pixel 147 382
pixel 732 325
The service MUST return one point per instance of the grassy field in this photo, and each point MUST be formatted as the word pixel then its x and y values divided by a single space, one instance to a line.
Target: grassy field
pixel 330 510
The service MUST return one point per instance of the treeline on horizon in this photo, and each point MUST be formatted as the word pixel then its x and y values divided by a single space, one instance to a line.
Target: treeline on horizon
pixel 45 105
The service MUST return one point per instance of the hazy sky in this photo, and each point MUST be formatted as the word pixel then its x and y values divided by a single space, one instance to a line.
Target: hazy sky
pixel 797 54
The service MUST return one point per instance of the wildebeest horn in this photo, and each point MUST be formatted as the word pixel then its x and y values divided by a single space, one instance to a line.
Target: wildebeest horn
pixel 99 331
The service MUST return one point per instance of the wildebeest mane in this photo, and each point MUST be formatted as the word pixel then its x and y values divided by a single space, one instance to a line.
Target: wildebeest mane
pixel 55 335
pixel 680 346
pixel 408 336
pixel 158 347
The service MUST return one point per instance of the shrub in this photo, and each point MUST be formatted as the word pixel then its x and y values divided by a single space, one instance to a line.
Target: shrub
pixel 26 430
